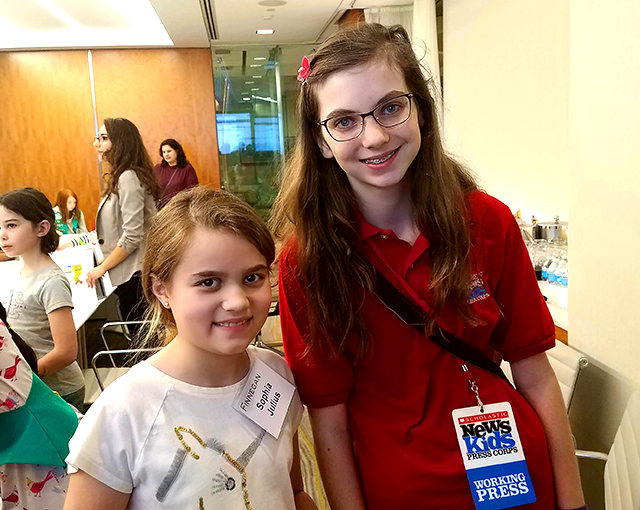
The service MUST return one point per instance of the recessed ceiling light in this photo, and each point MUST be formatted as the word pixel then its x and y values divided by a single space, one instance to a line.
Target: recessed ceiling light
pixel 265 31
pixel 256 76
pixel 255 65
pixel 244 94
pixel 249 82
pixel 259 58
pixel 247 98
pixel 253 90
pixel 272 3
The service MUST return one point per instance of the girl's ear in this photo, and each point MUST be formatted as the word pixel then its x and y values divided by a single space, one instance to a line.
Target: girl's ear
pixel 159 289
pixel 324 147
pixel 42 228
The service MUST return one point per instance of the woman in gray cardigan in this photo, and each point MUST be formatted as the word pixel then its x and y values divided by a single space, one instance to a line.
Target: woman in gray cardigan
pixel 125 212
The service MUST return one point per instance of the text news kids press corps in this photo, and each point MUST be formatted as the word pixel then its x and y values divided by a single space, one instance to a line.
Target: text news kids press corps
pixel 382 233
pixel 125 212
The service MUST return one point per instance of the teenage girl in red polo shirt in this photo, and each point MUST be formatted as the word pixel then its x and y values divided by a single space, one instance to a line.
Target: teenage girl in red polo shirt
pixel 370 186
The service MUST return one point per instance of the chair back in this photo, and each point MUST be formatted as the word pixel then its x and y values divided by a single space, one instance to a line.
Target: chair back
pixel 622 471
pixel 567 364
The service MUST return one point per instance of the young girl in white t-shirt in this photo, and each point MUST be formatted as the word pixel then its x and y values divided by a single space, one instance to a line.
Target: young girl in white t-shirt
pixel 167 434
pixel 38 301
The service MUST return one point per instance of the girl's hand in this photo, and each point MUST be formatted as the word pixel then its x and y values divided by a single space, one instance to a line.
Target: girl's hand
pixel 94 274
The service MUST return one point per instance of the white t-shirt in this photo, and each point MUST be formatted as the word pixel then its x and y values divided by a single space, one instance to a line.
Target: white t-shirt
pixel 127 440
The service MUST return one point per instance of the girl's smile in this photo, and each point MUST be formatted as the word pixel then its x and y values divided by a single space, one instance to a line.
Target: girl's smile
pixel 378 159
pixel 219 295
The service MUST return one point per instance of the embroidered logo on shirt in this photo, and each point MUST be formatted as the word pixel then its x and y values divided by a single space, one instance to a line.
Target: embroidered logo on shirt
pixel 477 291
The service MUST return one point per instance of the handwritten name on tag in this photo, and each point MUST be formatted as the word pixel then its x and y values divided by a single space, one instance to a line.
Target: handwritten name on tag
pixel 265 398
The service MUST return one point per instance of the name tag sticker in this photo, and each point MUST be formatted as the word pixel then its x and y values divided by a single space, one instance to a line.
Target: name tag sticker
pixel 493 456
pixel 265 398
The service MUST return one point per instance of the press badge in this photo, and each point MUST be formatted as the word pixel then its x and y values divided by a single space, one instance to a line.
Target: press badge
pixel 493 456
pixel 265 398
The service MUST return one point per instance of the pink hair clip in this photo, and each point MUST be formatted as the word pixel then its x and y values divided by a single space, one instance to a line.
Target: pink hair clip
pixel 304 71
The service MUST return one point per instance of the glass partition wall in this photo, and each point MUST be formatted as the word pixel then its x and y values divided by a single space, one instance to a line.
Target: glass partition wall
pixel 256 92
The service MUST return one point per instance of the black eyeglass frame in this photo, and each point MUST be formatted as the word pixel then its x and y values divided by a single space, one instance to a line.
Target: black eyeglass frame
pixel 408 95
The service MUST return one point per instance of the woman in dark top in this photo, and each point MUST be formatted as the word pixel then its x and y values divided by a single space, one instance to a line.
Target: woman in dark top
pixel 174 173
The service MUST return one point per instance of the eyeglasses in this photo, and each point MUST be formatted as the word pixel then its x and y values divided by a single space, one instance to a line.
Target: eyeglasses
pixel 101 138
pixel 343 128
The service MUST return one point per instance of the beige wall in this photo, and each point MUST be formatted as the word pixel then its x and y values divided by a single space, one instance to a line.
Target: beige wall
pixel 506 85
pixel 604 196
pixel 541 92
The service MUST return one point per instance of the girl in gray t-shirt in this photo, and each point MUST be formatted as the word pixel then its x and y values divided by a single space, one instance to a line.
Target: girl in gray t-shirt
pixel 38 300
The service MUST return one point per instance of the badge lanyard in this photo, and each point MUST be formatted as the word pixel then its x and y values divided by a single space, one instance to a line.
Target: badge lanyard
pixel 492 452
pixel 472 383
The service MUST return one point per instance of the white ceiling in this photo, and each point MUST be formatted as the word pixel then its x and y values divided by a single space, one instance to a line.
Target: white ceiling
pixel 31 24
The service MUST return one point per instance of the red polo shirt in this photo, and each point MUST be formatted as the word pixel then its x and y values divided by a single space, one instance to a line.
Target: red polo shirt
pixel 400 398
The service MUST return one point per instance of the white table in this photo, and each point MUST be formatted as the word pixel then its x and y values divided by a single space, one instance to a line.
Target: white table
pixel 557 302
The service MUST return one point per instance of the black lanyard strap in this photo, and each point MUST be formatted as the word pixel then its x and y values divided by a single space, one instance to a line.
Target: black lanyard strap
pixel 406 310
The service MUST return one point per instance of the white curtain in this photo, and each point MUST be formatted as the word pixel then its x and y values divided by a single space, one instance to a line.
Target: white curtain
pixel 419 20
pixel 400 15
pixel 425 36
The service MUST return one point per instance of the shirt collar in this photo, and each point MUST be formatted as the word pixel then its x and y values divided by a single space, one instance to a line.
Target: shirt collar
pixel 365 228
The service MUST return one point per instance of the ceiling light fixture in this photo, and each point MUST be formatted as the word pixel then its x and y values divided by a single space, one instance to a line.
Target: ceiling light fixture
pixel 259 58
pixel 249 82
pixel 256 76
pixel 255 65
pixel 265 31
pixel 266 99
pixel 272 3
pixel 247 98
pixel 255 89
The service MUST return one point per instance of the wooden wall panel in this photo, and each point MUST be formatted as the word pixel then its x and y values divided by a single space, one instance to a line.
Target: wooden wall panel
pixel 46 125
pixel 166 93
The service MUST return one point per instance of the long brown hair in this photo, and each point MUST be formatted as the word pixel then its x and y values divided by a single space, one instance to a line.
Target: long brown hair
pixel 61 202
pixel 128 153
pixel 171 232
pixel 316 205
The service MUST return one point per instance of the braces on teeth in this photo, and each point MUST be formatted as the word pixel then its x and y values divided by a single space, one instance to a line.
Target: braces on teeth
pixel 377 161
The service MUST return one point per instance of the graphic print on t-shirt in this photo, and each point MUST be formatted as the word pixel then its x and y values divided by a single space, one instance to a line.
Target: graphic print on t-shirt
pixel 16 306
pixel 221 481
